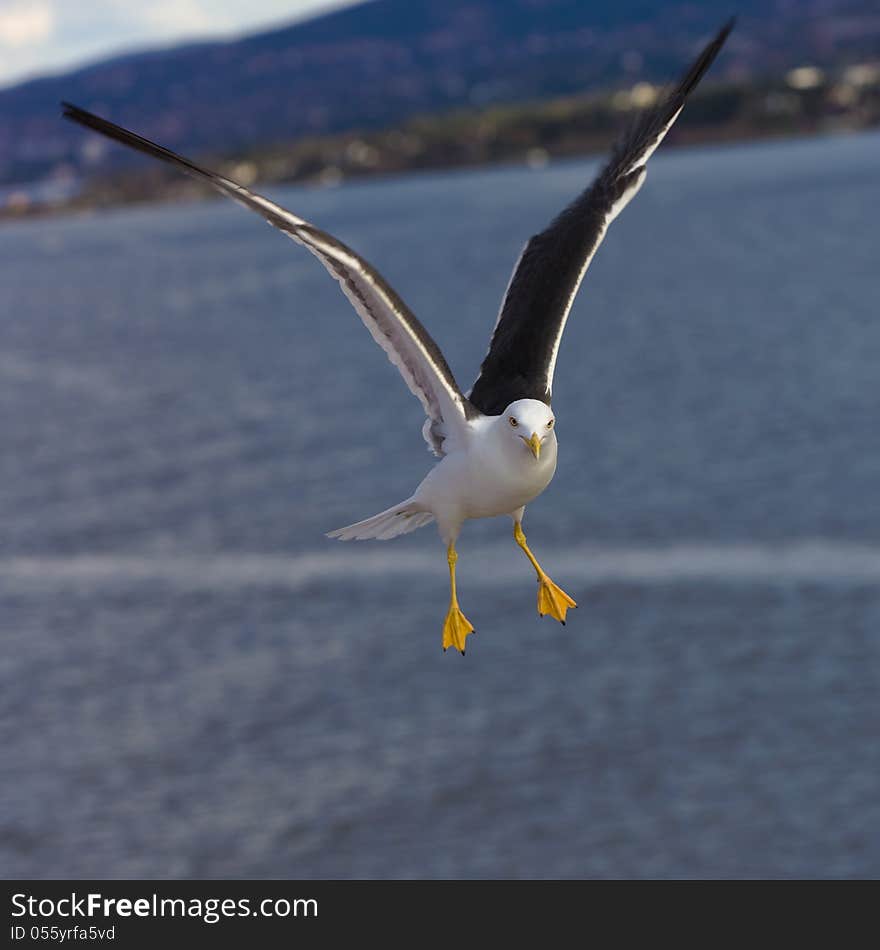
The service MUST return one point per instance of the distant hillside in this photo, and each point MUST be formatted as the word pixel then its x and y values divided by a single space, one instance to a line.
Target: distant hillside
pixel 377 63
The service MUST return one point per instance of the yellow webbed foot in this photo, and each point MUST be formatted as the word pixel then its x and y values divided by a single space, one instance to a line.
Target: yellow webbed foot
pixel 456 628
pixel 552 599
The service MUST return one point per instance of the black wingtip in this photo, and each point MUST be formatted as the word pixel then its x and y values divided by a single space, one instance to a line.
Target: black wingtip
pixel 91 121
pixel 703 61
pixel 126 137
pixel 725 31
pixel 70 112
pixel 75 113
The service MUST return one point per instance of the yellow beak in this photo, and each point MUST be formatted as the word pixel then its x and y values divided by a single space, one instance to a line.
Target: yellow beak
pixel 534 443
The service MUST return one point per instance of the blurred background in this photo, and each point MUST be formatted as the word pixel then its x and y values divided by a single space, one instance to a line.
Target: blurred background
pixel 194 682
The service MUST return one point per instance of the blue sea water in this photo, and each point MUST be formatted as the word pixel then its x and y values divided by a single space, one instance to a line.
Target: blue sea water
pixel 194 682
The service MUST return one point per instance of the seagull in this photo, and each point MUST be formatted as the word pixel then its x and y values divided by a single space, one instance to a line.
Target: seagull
pixel 496 444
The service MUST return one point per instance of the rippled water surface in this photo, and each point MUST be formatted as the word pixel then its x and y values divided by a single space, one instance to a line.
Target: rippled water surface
pixel 194 682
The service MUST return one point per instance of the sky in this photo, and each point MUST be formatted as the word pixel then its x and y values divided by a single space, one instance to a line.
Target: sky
pixel 44 36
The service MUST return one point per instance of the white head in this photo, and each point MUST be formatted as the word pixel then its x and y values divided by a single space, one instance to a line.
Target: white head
pixel 529 423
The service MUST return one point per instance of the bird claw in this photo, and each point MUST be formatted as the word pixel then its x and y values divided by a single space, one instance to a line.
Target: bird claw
pixel 456 628
pixel 553 600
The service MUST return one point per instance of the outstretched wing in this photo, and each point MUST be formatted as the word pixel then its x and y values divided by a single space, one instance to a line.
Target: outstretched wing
pixel 393 326
pixel 546 278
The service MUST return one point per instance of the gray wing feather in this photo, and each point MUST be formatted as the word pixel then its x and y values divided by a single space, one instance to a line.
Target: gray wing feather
pixel 391 323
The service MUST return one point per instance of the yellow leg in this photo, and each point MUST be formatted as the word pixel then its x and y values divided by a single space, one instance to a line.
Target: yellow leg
pixel 456 627
pixel 551 599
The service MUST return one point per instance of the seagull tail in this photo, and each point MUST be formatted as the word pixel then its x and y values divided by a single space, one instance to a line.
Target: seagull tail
pixel 397 520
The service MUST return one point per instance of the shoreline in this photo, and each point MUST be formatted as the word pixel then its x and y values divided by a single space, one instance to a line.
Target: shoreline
pixel 525 134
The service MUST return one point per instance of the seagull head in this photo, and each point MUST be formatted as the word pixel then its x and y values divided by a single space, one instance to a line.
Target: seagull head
pixel 530 423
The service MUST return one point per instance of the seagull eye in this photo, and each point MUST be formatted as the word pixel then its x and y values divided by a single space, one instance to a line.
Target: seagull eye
pixel 550 423
pixel 513 422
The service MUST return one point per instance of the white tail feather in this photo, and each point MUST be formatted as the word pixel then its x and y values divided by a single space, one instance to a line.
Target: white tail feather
pixel 397 520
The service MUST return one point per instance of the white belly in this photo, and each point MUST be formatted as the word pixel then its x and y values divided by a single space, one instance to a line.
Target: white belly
pixel 475 485
pixel 500 492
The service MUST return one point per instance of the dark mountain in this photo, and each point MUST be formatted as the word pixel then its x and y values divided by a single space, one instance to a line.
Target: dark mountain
pixel 381 61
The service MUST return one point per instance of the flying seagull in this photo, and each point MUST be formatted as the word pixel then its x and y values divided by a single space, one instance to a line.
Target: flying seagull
pixel 497 444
